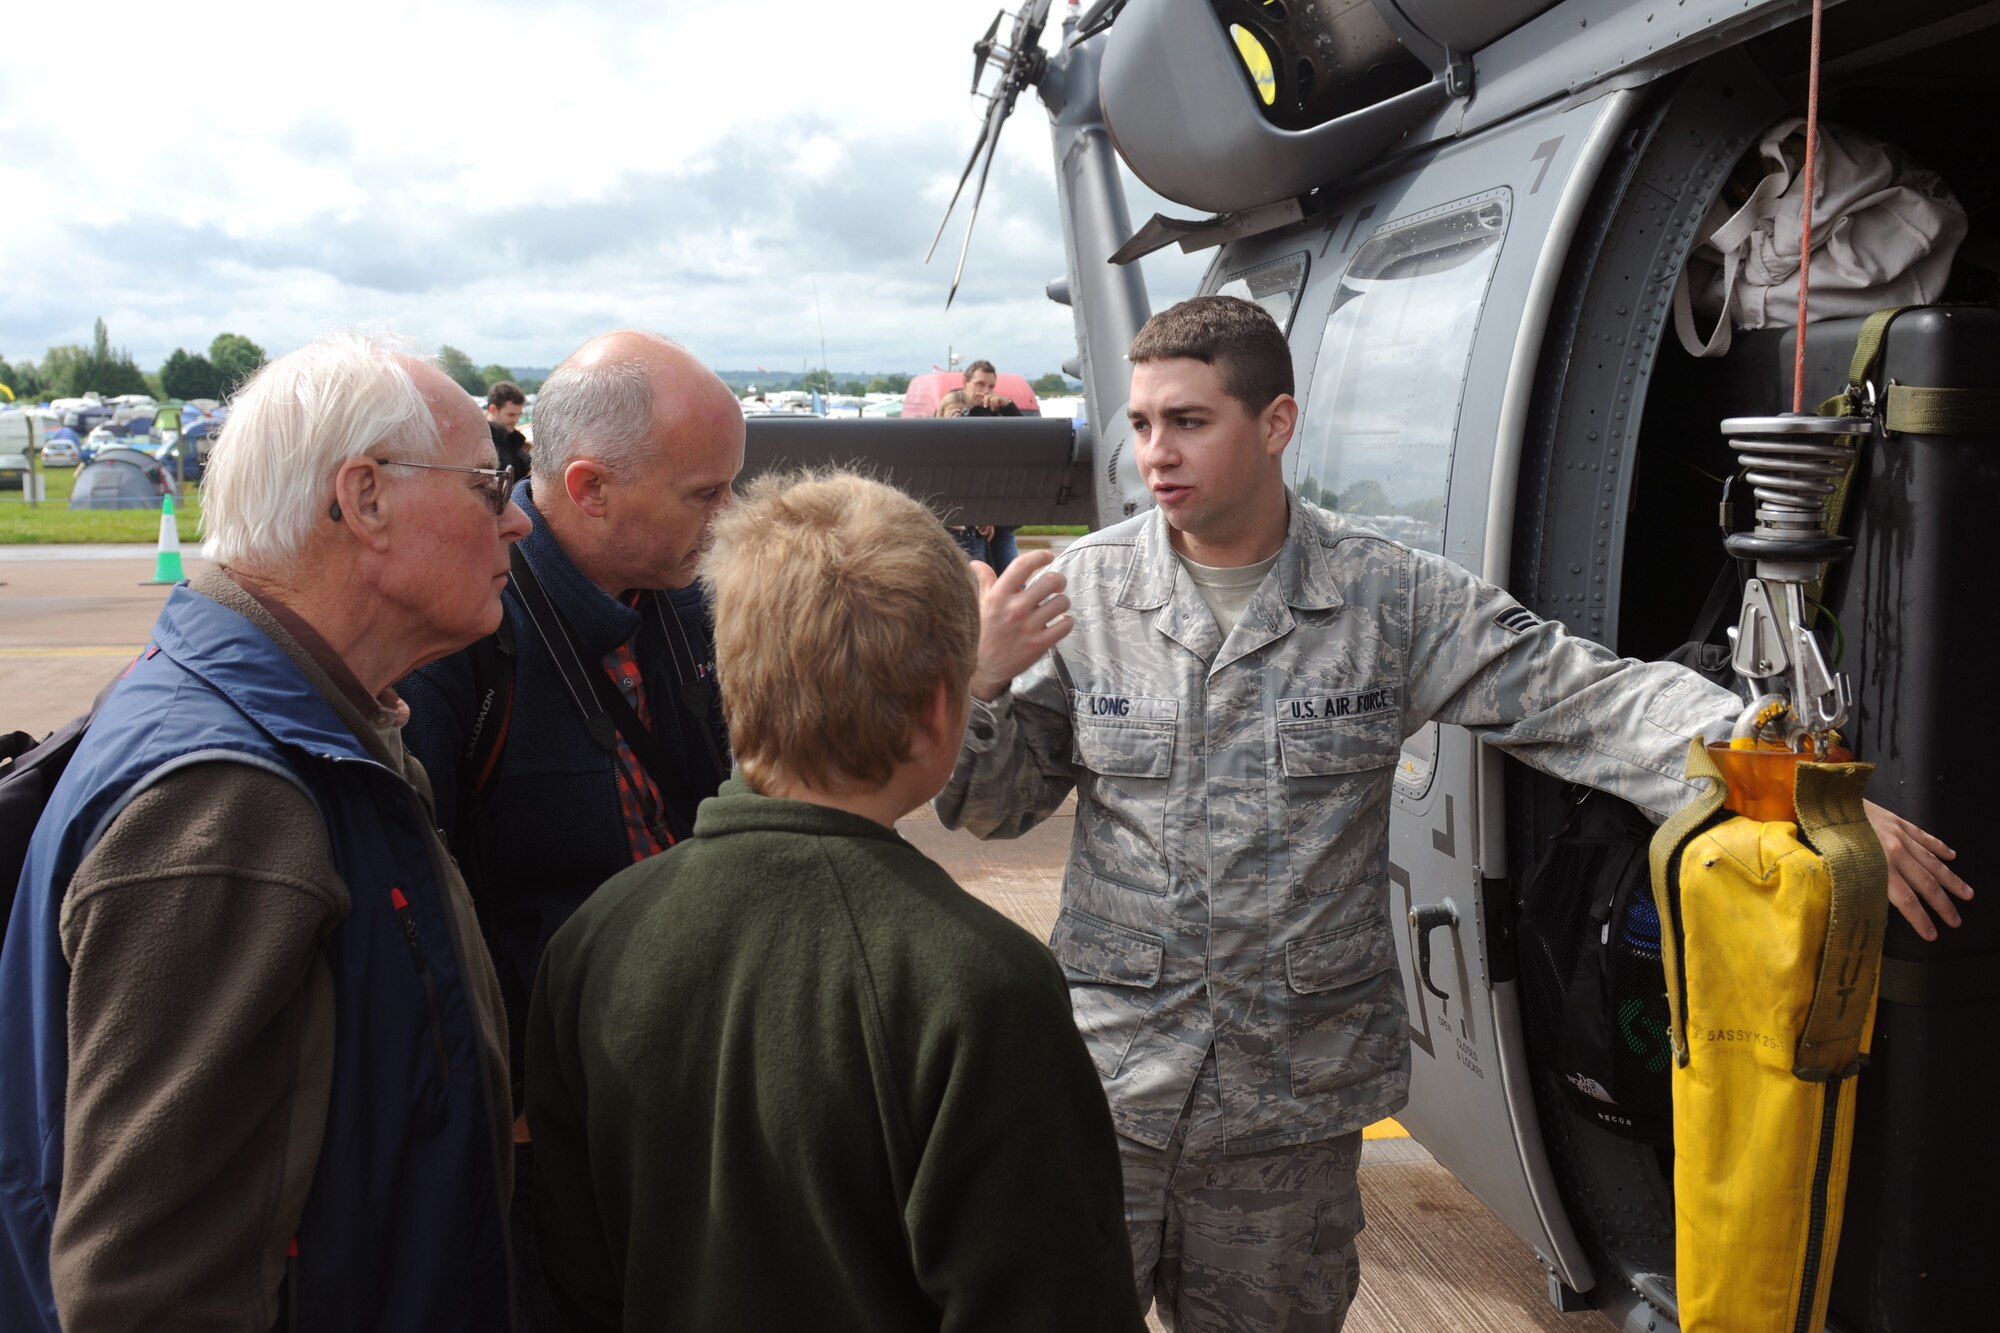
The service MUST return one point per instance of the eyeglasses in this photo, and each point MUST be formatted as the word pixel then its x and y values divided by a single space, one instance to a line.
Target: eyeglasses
pixel 499 480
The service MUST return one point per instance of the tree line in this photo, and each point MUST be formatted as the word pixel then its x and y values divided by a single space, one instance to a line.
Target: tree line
pixel 71 371
pixel 476 380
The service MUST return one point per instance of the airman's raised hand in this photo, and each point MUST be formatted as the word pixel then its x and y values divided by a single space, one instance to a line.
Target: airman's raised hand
pixel 1020 618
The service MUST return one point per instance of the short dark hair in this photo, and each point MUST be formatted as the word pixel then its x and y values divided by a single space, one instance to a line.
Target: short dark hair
pixel 978 366
pixel 1237 337
pixel 502 392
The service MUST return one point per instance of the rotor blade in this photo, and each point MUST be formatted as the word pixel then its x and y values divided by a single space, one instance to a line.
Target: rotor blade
pixel 1002 108
pixel 983 48
pixel 988 132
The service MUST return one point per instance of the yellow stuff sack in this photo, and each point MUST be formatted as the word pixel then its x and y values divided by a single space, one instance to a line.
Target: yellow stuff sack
pixel 1771 940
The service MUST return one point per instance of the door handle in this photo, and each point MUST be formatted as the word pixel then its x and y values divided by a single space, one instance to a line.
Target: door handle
pixel 1424 920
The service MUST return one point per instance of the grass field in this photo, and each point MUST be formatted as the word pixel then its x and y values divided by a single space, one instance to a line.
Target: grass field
pixel 53 522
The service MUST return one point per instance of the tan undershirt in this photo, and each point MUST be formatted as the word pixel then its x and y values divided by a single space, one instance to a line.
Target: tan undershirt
pixel 1226 592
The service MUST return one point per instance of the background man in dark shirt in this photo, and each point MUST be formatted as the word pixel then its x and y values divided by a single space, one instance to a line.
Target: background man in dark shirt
pixel 504 404
pixel 636 445
pixel 982 383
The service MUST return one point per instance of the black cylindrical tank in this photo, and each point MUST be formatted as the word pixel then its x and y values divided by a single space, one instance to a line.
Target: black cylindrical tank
pixel 1922 641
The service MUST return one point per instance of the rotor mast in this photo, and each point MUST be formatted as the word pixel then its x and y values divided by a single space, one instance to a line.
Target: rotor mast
pixel 1108 302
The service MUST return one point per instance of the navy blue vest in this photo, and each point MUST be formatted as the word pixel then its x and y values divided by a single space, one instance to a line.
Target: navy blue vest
pixel 404 1225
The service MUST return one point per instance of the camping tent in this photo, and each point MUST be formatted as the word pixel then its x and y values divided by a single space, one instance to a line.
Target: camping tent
pixel 116 483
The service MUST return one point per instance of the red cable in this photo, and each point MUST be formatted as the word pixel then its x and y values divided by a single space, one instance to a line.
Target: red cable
pixel 1805 215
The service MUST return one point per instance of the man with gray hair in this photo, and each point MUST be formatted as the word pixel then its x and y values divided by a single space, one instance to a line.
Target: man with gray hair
pixel 582 736
pixel 251 1061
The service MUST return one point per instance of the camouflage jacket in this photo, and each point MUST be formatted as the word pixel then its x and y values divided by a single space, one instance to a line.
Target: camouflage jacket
pixel 1227 884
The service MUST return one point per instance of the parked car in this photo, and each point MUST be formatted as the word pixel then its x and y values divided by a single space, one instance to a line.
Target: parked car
pixel 20 438
pixel 61 453
pixel 100 439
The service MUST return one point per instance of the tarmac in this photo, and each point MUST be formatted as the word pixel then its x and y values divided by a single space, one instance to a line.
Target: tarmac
pixel 71 618
pixel 1433 1258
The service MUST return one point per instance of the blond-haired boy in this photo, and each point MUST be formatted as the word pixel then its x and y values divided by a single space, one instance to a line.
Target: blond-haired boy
pixel 790 1075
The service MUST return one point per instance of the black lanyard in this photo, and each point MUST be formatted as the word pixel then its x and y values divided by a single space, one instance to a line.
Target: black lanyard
pixel 606 713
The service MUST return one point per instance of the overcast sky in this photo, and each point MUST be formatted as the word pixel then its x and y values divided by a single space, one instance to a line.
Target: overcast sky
pixel 512 177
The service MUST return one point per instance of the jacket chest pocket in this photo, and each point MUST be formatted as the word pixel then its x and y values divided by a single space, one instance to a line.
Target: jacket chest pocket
pixel 1126 747
pixel 1337 775
pixel 1324 748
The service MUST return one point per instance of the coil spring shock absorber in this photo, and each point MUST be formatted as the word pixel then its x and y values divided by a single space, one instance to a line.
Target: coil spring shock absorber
pixel 1794 464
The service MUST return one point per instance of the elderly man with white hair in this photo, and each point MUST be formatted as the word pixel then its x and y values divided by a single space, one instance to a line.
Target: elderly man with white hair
pixel 252 1053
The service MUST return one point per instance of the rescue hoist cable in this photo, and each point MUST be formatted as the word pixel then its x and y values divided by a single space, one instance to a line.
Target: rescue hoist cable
pixel 1806 213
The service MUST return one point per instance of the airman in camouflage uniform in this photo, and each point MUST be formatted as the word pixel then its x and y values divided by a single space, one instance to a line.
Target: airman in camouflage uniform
pixel 1225 910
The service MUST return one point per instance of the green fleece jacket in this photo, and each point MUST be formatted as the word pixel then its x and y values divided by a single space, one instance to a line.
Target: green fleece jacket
pixel 790 1075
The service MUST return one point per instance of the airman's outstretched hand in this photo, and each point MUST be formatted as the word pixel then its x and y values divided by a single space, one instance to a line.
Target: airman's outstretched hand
pixel 1020 618
pixel 1918 876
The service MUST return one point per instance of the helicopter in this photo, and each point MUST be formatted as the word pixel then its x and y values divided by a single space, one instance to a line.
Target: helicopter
pixel 1471 217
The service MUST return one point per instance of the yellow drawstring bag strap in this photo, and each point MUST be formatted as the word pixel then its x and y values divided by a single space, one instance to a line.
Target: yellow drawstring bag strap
pixel 1771 941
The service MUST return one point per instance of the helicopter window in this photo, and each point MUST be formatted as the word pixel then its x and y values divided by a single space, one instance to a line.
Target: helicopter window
pixel 1275 286
pixel 1376 437
pixel 1375 441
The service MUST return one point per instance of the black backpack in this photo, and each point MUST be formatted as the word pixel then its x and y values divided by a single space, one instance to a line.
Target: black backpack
pixel 1595 991
pixel 29 771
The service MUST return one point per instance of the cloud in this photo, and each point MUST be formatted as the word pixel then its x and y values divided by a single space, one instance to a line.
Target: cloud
pixel 511 178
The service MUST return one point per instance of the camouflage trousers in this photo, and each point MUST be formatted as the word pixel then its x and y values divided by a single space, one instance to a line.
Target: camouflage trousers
pixel 1252 1243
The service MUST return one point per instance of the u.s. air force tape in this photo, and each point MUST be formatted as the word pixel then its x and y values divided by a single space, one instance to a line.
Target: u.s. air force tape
pixel 1333 707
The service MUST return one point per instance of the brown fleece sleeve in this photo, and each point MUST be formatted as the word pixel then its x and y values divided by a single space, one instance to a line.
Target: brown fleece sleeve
pixel 200 1052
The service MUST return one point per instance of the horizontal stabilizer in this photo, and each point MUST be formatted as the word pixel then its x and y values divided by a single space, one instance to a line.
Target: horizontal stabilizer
pixel 973 470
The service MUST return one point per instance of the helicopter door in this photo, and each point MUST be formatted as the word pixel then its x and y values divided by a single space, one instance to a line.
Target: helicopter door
pixel 1414 382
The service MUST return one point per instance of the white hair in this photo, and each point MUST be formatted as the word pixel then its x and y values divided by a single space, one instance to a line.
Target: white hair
pixel 290 428
pixel 601 410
